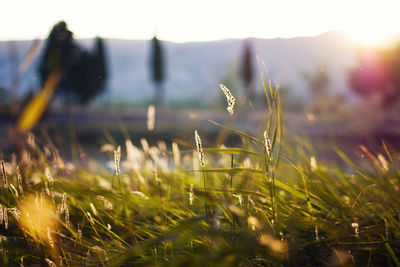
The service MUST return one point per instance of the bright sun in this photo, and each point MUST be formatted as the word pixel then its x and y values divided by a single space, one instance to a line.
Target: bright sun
pixel 374 24
pixel 371 38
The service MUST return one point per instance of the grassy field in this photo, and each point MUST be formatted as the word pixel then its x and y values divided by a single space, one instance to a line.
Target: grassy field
pixel 267 201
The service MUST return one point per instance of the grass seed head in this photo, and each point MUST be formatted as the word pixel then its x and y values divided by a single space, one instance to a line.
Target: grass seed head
pixel 90 217
pixel 313 163
pixel 50 263
pixel 316 233
pixel 268 146
pixel 199 148
pixel 140 194
pixel 3 170
pixel 117 160
pixel 19 180
pixel 145 145
pixel 229 98
pixel 356 228
pixel 272 243
pixel 151 112
pixel 386 229
pixel 107 203
pixel 94 209
pixel 254 223
pixel 14 190
pixel 79 233
pixel 15 212
pixel 383 162
pixel 191 194
pixel 50 238
pixel 100 251
pixel 5 218
pixel 175 152
pixel 63 203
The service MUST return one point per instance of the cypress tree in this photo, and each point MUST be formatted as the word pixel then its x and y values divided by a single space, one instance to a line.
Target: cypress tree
pixel 100 65
pixel 247 70
pixel 157 70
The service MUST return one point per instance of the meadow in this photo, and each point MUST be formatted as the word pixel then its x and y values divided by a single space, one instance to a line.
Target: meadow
pixel 265 200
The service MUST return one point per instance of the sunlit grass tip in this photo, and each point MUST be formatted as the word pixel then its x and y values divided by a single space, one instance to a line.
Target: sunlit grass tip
pixel 151 112
pixel 229 98
pixel 268 146
pixel 117 160
pixel 199 148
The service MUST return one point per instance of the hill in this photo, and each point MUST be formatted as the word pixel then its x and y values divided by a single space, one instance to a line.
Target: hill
pixel 195 69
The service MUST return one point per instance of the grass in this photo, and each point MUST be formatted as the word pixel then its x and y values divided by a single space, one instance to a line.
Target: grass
pixel 158 206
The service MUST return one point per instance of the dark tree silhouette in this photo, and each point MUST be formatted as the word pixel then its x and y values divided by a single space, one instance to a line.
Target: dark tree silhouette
pixel 88 76
pixel 60 54
pixel 83 73
pixel 246 70
pixel 157 70
pixel 100 65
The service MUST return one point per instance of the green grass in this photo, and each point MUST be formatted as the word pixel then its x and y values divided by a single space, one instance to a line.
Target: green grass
pixel 280 210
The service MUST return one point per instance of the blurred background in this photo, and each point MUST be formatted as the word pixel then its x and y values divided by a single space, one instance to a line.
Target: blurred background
pixel 85 72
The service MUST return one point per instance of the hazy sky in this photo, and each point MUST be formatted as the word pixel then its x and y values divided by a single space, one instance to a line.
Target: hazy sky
pixel 202 20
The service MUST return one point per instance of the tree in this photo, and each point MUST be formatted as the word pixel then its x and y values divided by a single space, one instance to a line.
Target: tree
pixel 60 54
pixel 100 65
pixel 246 70
pixel 157 70
pixel 89 74
pixel 83 73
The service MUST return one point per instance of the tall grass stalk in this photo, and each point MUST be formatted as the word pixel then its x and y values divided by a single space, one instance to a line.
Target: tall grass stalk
pixel 200 154
pixel 231 103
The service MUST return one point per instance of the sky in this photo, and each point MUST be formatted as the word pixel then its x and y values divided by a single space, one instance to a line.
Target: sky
pixel 186 20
